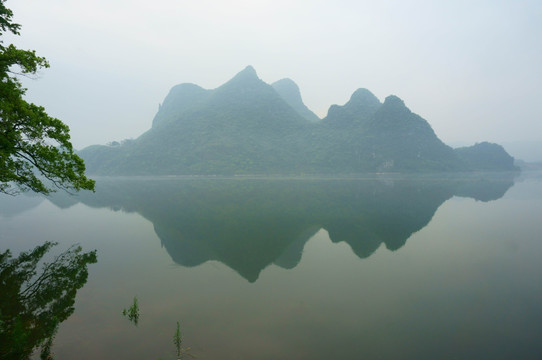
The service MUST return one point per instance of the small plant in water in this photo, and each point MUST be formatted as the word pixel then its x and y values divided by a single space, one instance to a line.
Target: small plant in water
pixel 178 341
pixel 132 312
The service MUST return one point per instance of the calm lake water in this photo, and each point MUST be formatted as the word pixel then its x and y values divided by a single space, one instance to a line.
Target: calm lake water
pixel 370 268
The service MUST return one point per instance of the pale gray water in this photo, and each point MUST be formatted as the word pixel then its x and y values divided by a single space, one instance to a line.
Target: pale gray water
pixel 300 269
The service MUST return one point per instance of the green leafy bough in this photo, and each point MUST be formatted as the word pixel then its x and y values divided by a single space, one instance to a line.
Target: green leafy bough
pixel 35 149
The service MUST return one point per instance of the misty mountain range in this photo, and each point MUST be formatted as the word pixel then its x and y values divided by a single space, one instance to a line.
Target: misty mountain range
pixel 247 126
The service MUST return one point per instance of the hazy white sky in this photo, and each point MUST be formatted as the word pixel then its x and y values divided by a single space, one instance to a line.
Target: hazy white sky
pixel 473 69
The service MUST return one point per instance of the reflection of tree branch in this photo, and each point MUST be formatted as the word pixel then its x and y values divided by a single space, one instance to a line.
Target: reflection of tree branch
pixel 32 303
pixel 47 272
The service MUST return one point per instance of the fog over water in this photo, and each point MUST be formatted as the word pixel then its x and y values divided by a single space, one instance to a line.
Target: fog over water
pixel 470 69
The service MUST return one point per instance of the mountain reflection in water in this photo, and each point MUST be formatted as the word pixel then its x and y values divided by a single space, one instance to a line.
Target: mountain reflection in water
pixel 249 224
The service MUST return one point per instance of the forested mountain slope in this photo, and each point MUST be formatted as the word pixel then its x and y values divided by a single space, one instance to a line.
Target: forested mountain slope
pixel 249 127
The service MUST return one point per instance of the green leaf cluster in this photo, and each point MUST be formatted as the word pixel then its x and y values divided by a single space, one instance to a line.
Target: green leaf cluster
pixel 133 312
pixel 35 149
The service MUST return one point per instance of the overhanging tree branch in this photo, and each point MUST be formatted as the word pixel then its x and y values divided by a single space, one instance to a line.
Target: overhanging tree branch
pixel 26 129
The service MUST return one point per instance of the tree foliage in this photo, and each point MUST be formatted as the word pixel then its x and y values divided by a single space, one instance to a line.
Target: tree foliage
pixel 35 149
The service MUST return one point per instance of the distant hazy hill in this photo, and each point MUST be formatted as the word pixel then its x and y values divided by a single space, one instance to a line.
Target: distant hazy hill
pixel 289 91
pixel 485 156
pixel 249 127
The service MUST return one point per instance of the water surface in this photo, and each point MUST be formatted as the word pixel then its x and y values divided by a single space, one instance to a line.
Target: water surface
pixel 387 268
